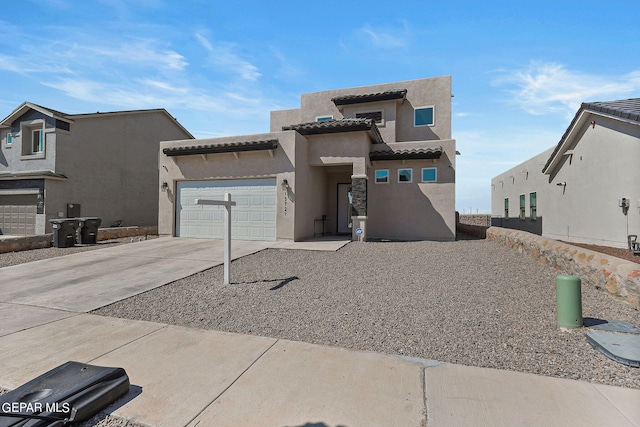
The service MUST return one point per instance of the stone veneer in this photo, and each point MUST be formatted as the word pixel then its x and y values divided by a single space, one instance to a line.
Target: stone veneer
pixel 620 278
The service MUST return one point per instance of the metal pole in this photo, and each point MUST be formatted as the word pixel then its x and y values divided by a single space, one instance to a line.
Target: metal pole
pixel 227 237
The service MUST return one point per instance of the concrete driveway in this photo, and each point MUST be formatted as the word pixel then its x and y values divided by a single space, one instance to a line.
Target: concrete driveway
pixel 89 280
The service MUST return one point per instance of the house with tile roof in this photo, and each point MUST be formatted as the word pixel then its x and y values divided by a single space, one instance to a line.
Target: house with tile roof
pixel 374 162
pixel 585 189
pixel 55 165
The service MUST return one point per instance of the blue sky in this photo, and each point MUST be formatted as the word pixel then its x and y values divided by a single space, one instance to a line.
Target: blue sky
pixel 519 69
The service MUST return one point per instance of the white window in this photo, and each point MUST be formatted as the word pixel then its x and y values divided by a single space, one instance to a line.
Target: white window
pixel 33 139
pixel 405 175
pixel 382 176
pixel 424 116
pixel 429 175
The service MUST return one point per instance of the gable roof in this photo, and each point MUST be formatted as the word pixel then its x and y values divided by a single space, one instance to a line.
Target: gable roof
pixel 69 118
pixel 26 106
pixel 371 97
pixel 336 126
pixel 625 109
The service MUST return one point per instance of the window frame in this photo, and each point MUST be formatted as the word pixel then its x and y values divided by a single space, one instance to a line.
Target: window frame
pixel 324 118
pixel 523 207
pixel 533 206
pixel 433 116
pixel 410 175
pixel 435 171
pixel 29 150
pixel 375 176
pixel 506 207
pixel 380 123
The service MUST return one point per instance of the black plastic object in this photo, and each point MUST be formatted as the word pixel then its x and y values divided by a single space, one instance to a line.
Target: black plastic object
pixel 89 230
pixel 71 392
pixel 64 232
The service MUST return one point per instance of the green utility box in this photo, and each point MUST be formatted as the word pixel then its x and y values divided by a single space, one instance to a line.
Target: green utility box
pixel 569 301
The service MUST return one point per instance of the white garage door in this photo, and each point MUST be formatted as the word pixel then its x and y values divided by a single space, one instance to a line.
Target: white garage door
pixel 253 217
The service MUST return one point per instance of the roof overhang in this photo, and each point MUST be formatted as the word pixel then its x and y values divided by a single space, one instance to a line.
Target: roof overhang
pixel 338 126
pixel 391 95
pixel 230 147
pixel 412 154
pixel 43 174
pixel 26 106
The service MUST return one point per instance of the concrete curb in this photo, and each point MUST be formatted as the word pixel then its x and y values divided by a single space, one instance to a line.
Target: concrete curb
pixel 620 278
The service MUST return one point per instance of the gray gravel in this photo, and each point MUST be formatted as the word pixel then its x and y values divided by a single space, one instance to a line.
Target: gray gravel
pixel 471 302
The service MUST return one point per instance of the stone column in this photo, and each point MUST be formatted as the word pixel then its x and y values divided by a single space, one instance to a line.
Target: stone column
pixel 358 207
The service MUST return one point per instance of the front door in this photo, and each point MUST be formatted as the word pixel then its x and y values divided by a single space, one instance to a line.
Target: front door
pixel 344 208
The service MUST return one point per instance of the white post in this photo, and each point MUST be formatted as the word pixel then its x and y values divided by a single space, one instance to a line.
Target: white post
pixel 227 237
pixel 227 203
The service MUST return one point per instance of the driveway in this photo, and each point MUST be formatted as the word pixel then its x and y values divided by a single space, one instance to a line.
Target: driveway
pixel 89 280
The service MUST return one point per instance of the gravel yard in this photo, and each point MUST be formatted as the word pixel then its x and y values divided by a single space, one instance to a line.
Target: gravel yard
pixel 471 302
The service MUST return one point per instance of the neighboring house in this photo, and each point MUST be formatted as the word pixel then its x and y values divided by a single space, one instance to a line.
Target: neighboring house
pixel 105 165
pixel 587 188
pixel 374 162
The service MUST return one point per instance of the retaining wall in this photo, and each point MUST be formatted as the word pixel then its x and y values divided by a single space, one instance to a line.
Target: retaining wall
pixel 619 277
pixel 25 243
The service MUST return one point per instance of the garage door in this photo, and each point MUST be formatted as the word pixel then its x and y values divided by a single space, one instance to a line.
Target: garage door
pixel 253 217
pixel 18 214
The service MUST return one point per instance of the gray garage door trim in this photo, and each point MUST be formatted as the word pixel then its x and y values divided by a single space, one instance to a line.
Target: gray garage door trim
pixel 253 217
pixel 18 210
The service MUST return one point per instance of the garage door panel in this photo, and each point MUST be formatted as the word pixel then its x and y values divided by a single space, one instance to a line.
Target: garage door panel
pixel 253 217
pixel 18 214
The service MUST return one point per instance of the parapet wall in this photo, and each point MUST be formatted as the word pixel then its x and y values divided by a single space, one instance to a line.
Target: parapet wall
pixel 620 278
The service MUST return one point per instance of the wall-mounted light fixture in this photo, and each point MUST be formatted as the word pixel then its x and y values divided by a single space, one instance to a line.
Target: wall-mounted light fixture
pixel 561 184
pixel 592 123
pixel 164 186
pixel 285 183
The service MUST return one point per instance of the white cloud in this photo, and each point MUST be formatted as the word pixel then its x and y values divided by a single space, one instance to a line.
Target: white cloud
pixel 223 57
pixel 385 38
pixel 551 88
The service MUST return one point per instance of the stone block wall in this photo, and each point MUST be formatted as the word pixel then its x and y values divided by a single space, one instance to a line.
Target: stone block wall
pixel 620 278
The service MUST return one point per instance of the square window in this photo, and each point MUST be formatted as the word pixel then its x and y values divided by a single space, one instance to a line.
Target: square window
pixel 382 176
pixel 324 118
pixel 405 175
pixel 429 175
pixel 424 116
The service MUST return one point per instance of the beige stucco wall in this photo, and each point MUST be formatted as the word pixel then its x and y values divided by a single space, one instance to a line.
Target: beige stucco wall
pixel 602 170
pixel 416 210
pixel 250 164
pixel 435 91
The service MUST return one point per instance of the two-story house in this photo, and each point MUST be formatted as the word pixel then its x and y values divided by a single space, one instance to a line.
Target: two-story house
pixel 55 165
pixel 374 162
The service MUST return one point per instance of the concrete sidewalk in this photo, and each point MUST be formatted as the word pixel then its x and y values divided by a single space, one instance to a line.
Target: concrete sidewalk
pixel 189 377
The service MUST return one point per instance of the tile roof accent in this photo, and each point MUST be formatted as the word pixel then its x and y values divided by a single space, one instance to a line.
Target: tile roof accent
pixel 230 147
pixel 371 97
pixel 417 153
pixel 336 126
pixel 628 109
pixel 4 176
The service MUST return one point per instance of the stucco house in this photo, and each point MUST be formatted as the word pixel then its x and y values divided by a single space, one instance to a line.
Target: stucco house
pixel 373 162
pixel 586 189
pixel 55 165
